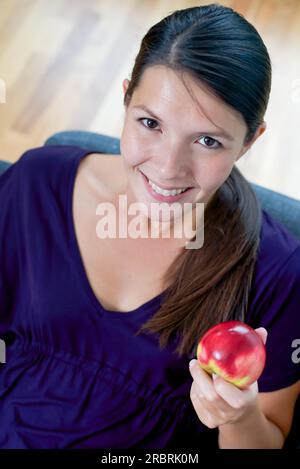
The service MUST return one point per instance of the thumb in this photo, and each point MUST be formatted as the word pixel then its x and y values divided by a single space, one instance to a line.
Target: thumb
pixel 263 333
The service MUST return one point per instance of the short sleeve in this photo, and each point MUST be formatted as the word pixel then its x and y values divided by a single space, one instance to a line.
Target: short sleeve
pixel 280 315
pixel 8 245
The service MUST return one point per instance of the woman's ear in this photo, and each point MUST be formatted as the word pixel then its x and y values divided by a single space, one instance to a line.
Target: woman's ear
pixel 259 131
pixel 125 85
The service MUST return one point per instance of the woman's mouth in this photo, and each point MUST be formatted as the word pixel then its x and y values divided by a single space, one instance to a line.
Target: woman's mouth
pixel 163 195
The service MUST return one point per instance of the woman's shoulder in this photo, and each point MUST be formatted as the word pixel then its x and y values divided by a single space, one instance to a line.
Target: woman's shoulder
pixel 274 302
pixel 54 162
pixel 276 280
pixel 48 158
pixel 37 165
pixel 102 173
pixel 50 167
pixel 277 244
pixel 52 171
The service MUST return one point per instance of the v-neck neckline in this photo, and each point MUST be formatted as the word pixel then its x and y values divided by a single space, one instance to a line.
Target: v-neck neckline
pixel 148 305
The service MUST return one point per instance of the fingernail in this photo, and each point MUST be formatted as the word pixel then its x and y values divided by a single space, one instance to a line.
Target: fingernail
pixel 214 376
pixel 192 363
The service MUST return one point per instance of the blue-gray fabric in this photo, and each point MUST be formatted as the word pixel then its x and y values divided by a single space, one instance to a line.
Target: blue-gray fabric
pixel 282 208
pixel 86 140
pixel 3 166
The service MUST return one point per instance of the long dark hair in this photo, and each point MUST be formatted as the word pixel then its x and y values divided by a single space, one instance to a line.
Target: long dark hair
pixel 222 50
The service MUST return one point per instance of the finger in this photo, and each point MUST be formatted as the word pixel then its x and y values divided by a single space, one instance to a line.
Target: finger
pixel 233 395
pixel 202 408
pixel 263 333
pixel 203 380
pixel 196 392
pixel 205 386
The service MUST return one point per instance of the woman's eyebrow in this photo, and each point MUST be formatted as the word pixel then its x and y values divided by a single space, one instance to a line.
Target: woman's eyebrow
pixel 216 133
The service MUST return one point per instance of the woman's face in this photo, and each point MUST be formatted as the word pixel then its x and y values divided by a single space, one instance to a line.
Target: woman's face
pixel 176 143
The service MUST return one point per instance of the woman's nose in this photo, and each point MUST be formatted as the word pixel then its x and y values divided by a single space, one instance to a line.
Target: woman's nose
pixel 172 164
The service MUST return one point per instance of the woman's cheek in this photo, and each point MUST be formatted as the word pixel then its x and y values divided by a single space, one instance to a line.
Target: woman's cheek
pixel 215 174
pixel 129 147
pixel 136 152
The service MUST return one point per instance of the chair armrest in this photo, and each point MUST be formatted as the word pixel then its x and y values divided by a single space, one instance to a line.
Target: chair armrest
pixel 95 142
pixel 284 209
pixel 3 166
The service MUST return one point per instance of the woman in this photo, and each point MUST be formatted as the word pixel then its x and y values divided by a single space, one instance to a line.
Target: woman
pixel 100 331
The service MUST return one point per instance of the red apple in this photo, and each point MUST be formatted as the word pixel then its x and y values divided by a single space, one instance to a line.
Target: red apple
pixel 234 351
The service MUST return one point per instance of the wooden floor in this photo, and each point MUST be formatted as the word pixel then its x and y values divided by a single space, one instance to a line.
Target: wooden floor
pixel 62 63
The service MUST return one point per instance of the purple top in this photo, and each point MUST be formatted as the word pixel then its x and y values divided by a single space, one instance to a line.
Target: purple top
pixel 76 376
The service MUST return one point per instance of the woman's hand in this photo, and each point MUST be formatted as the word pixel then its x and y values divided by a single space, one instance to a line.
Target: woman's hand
pixel 218 402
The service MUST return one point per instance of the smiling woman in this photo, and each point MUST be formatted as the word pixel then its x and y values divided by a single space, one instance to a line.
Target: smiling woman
pixel 195 104
pixel 206 103
pixel 80 374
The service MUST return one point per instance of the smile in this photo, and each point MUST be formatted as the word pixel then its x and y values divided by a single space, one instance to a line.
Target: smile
pixel 160 194
pixel 165 192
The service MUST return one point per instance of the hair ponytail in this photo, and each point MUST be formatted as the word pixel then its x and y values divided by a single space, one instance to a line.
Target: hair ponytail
pixel 212 284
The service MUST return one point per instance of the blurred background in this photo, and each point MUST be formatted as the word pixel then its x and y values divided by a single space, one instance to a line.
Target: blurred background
pixel 62 63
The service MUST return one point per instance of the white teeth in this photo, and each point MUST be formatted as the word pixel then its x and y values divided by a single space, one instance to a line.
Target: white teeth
pixel 164 191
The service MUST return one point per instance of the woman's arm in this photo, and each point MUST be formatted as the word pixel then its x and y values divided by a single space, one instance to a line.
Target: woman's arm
pixel 268 427
pixel 245 418
pixel 255 432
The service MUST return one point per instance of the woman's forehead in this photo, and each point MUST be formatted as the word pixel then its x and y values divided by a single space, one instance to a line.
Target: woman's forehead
pixel 169 94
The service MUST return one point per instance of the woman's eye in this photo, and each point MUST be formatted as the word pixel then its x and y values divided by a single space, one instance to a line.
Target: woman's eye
pixel 210 142
pixel 149 124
